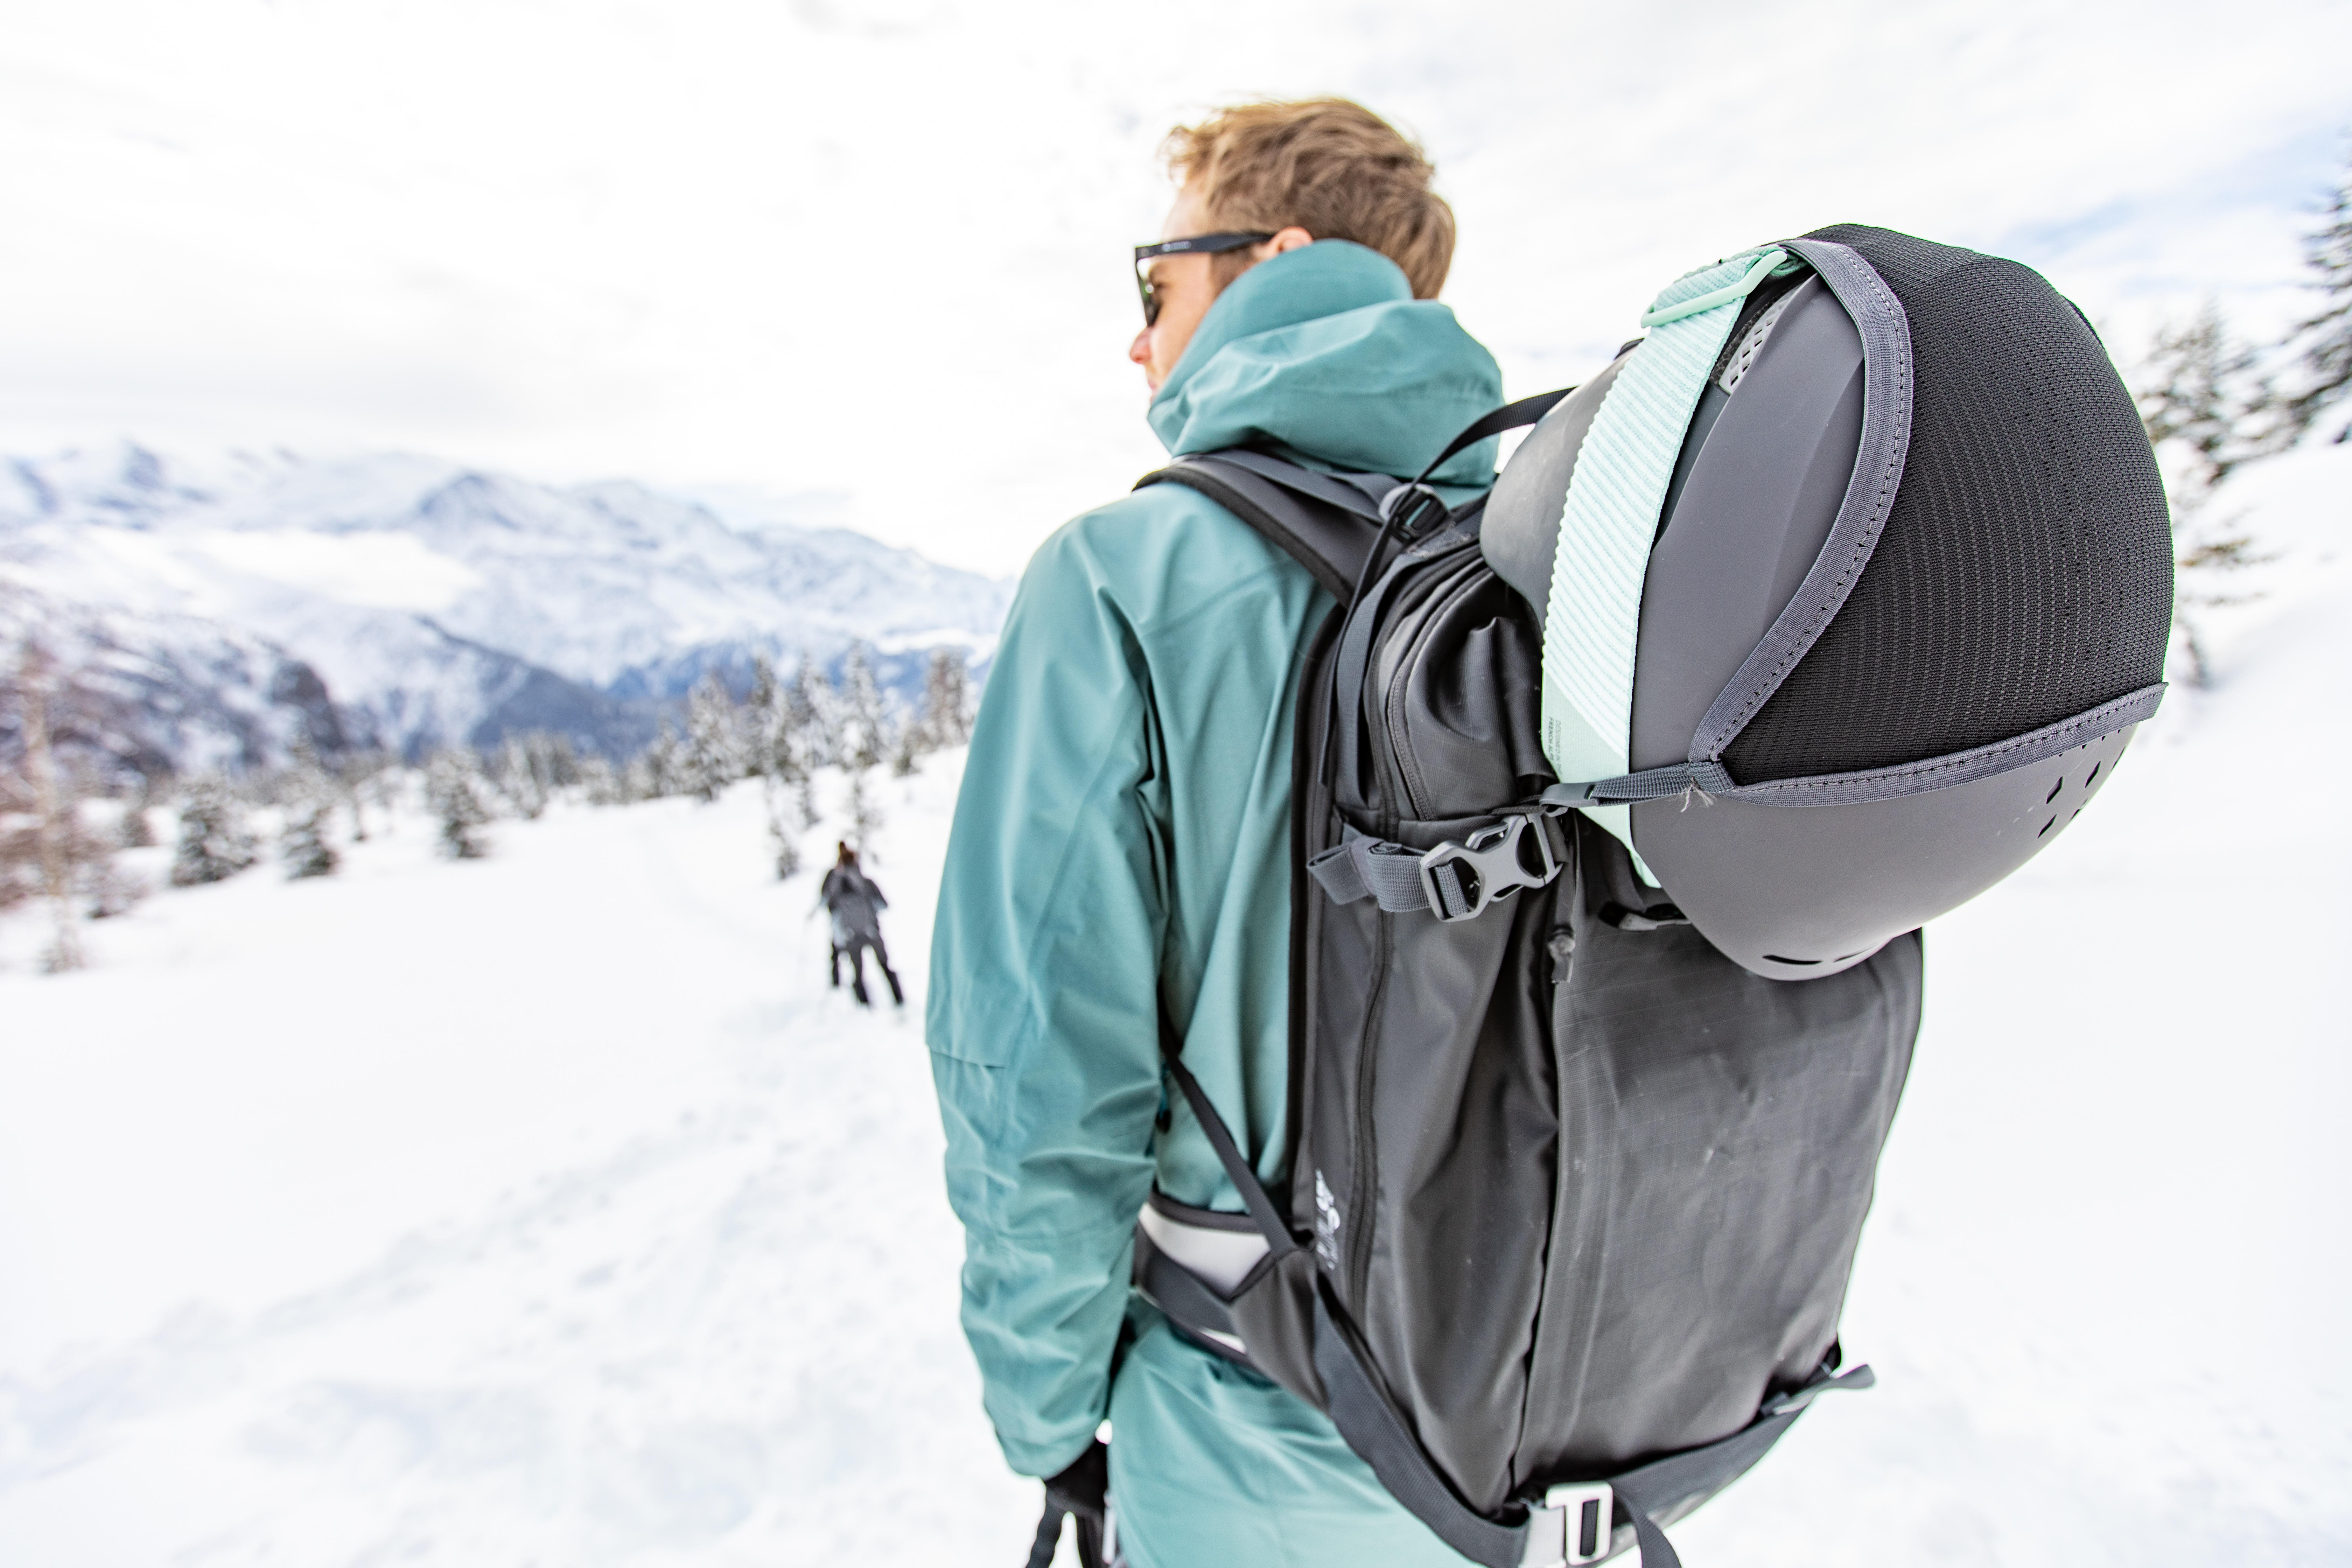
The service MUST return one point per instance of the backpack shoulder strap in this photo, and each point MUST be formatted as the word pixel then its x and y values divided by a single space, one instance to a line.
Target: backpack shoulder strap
pixel 1329 523
pixel 1325 522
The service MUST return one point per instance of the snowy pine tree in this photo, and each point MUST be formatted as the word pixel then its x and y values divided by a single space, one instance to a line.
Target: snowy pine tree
pixel 947 701
pixel 709 760
pixel 107 890
pixel 354 772
pixel 865 813
pixel 2325 339
pixel 761 721
pixel 454 796
pixel 213 844
pixel 310 802
pixel 772 751
pixel 553 758
pixel 2209 406
pixel 520 778
pixel 20 843
pixel 783 839
pixel 808 728
pixel 652 773
pixel 865 741
pixel 865 727
pixel 137 831
pixel 599 784
pixel 45 846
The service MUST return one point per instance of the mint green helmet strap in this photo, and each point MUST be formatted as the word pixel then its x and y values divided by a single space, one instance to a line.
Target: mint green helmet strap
pixel 1610 521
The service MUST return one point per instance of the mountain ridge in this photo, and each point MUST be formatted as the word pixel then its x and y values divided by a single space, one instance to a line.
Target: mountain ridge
pixel 441 604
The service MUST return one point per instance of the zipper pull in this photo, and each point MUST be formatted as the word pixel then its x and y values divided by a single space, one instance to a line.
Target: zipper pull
pixel 1562 946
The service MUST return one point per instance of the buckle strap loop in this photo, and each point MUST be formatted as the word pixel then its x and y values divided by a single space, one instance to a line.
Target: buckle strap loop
pixel 1740 288
pixel 1362 866
pixel 1651 783
pixel 1823 1383
pixel 1455 881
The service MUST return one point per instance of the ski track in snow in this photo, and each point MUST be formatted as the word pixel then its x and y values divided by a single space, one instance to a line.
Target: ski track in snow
pixel 551 1209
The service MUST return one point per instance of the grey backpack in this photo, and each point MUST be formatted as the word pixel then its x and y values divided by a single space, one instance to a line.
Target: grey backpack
pixel 1587 1101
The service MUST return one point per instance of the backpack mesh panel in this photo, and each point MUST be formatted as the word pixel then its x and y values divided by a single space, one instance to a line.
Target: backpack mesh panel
pixel 2025 572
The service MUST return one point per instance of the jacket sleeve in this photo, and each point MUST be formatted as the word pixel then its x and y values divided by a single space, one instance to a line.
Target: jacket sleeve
pixel 1043 1017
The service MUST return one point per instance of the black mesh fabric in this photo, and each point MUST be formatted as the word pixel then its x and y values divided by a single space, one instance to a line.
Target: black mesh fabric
pixel 2025 572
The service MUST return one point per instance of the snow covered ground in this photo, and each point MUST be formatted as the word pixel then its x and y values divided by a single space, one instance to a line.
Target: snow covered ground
pixel 547 1208
pixel 551 1209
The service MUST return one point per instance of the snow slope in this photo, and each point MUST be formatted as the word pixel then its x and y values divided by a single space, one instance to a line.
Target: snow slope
pixel 2108 1276
pixel 550 1208
pixel 544 1208
pixel 443 604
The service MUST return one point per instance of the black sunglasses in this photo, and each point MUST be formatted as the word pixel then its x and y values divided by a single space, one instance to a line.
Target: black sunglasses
pixel 1202 244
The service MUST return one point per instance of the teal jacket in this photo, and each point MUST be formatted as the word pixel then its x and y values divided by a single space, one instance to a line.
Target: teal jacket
pixel 1120 859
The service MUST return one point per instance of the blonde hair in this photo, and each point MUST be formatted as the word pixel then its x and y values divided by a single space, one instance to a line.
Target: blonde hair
pixel 1327 165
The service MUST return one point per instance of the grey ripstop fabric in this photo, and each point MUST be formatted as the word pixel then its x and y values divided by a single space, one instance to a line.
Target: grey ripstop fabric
pixel 1521 1138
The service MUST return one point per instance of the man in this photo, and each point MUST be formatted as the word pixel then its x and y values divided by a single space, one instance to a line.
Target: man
pixel 1121 863
pixel 855 904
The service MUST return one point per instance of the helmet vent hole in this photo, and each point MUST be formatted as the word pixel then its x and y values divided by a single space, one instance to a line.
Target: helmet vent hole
pixel 1799 962
pixel 2048 825
pixel 2093 773
pixel 2055 788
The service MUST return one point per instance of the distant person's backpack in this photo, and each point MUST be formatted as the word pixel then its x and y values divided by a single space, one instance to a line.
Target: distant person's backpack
pixel 1619 798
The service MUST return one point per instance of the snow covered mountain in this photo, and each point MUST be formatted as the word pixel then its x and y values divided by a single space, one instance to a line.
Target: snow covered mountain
pixel 408 602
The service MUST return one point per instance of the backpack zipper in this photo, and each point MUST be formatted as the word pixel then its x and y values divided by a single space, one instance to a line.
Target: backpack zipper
pixel 1431 612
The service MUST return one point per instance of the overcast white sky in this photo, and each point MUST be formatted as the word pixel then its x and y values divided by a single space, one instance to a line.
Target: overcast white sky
pixel 878 250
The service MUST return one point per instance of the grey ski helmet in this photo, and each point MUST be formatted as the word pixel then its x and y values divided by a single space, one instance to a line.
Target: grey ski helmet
pixel 1856 577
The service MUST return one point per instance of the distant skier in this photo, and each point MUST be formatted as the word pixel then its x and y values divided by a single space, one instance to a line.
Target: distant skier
pixel 855 904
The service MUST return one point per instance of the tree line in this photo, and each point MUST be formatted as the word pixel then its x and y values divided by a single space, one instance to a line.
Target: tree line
pixel 56 844
pixel 2213 402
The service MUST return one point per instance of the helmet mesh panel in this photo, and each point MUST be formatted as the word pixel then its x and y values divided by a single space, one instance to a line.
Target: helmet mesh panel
pixel 2025 572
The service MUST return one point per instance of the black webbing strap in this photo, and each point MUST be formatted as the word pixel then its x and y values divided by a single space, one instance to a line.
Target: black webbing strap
pixel 1375 1429
pixel 1333 541
pixel 1263 491
pixel 1660 1485
pixel 1254 1193
pixel 1378 1432
pixel 1509 416
pixel 1357 493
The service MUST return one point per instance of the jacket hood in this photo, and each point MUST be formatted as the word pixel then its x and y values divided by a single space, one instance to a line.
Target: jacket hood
pixel 1325 351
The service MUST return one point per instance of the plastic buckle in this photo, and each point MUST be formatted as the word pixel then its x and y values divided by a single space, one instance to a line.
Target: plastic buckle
pixel 1408 505
pixel 1572 1527
pixel 1573 796
pixel 1586 1509
pixel 1491 864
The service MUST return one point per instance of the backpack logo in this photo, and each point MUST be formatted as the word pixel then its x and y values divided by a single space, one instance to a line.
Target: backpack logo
pixel 1327 1224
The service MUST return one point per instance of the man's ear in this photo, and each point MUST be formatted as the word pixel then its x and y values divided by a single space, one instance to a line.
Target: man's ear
pixel 1290 238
